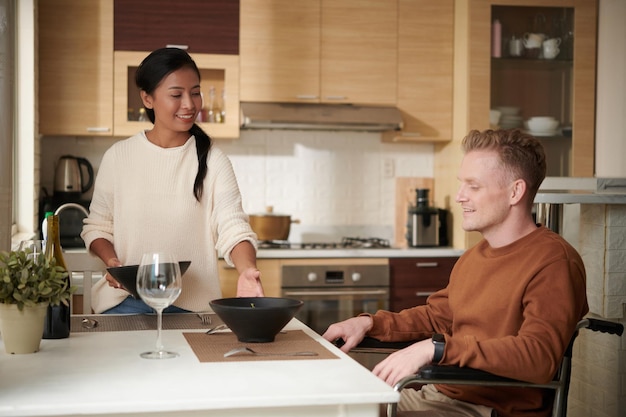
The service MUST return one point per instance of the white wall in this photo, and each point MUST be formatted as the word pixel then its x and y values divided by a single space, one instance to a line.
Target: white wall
pixel 333 182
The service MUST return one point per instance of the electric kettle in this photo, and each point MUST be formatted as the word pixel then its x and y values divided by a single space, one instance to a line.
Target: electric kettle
pixel 68 177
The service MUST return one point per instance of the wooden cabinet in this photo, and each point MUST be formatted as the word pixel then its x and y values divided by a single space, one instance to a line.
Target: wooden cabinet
pixel 270 276
pixel 425 70
pixel 203 26
pixel 75 67
pixel 563 88
pixel 218 71
pixel 319 51
pixel 414 279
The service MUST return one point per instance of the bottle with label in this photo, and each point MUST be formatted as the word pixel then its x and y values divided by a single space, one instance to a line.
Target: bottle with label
pixel 57 322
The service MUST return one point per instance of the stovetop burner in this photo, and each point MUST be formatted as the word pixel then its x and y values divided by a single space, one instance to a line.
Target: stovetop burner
pixel 346 243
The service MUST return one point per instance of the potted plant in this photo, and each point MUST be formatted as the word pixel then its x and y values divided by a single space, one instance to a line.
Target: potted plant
pixel 28 284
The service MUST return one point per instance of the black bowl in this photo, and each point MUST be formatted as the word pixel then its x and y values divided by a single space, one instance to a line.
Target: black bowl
pixel 256 319
pixel 127 275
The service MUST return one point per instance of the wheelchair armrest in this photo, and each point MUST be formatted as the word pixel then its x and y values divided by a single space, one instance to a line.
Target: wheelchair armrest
pixel 449 372
pixel 370 342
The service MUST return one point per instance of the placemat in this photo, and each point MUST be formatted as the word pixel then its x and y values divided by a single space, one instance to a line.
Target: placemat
pixel 211 348
pixel 128 322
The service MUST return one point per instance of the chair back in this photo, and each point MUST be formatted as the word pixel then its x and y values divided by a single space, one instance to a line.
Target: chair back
pixel 86 264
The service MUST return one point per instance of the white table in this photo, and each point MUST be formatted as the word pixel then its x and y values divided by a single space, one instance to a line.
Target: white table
pixel 102 374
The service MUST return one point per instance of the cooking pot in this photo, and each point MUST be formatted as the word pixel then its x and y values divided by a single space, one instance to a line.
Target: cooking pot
pixel 68 177
pixel 270 226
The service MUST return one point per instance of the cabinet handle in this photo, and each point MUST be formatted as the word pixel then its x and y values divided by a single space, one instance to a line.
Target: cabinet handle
pixel 336 98
pixel 98 129
pixel 424 293
pixel 427 264
pixel 307 97
pixel 183 47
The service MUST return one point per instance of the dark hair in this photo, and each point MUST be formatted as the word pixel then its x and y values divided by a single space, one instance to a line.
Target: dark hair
pixel 149 75
pixel 521 154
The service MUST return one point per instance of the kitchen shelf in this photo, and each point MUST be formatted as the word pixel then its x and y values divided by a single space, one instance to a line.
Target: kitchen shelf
pixel 218 71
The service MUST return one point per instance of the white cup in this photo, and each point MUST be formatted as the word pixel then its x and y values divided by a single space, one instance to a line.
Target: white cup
pixel 553 42
pixel 550 51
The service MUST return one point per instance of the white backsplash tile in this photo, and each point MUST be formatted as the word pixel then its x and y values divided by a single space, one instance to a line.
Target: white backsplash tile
pixel 332 182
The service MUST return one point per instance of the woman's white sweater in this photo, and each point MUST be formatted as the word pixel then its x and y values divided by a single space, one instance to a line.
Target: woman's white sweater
pixel 143 201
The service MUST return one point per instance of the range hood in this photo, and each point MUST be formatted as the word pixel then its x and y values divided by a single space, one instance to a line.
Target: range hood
pixel 306 116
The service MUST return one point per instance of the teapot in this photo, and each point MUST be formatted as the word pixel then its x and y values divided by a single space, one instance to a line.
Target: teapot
pixel 533 40
pixel 69 180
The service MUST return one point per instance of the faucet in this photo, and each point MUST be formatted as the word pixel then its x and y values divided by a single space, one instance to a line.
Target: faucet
pixel 71 205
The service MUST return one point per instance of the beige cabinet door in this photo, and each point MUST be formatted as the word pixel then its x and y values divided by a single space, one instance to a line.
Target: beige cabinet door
pixel 339 51
pixel 279 44
pixel 359 51
pixel 75 67
pixel 425 70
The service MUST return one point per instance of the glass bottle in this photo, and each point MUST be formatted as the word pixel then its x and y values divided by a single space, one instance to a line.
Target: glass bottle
pixel 223 108
pixel 57 321
pixel 143 117
pixel 211 111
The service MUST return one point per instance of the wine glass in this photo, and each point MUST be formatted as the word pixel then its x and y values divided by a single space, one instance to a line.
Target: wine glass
pixel 159 284
pixel 34 248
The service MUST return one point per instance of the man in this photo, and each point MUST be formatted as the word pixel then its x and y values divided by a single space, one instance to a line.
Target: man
pixel 512 302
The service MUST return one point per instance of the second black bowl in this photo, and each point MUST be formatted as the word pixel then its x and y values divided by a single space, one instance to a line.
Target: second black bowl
pixel 127 275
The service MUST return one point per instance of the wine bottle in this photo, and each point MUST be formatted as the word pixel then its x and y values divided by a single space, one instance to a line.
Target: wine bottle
pixel 57 321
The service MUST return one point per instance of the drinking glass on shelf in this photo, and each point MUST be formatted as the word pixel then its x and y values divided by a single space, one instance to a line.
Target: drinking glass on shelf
pixel 159 284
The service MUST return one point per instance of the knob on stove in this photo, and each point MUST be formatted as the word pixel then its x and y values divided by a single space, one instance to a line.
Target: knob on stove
pixel 311 276
pixel 356 276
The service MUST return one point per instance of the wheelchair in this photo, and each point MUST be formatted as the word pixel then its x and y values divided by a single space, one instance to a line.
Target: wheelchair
pixel 447 374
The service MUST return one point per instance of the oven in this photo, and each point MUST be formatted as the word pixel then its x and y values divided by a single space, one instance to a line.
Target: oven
pixel 332 293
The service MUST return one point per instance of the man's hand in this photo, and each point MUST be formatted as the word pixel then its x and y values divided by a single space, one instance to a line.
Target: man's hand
pixel 352 331
pixel 405 362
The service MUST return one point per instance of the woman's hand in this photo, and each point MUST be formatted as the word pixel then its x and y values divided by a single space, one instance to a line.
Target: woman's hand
pixel 112 262
pixel 249 283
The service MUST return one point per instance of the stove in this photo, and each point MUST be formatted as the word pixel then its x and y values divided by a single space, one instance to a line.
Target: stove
pixel 346 243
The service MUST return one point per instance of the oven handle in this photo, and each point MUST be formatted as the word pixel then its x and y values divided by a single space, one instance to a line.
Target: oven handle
pixel 331 293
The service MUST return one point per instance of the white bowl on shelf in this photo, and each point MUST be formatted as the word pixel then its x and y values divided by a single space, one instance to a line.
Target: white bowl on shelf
pixel 542 124
pixel 508 110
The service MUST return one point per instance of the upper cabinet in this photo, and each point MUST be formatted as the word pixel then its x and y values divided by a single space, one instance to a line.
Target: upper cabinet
pixel 87 89
pixel 75 73
pixel 200 26
pixel 320 51
pixel 532 80
pixel 425 70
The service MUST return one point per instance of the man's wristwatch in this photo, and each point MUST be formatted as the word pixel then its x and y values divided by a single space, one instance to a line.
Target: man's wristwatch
pixel 440 345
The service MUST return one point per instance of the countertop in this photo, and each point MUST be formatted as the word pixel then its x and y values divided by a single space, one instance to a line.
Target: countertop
pixel 102 373
pixel 437 252
pixel 579 197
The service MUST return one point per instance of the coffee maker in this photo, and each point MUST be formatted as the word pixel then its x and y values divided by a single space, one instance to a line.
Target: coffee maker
pixel 426 225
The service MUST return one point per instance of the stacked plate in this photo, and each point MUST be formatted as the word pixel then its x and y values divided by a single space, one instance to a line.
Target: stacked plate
pixel 510 117
pixel 542 126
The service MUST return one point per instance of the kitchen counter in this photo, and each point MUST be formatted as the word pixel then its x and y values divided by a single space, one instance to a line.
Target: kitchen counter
pixel 438 252
pixel 102 374
pixel 579 197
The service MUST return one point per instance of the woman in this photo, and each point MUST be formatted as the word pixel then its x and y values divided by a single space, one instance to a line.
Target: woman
pixel 168 189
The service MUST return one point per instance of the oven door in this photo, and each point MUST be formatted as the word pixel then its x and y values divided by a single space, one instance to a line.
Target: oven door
pixel 325 306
